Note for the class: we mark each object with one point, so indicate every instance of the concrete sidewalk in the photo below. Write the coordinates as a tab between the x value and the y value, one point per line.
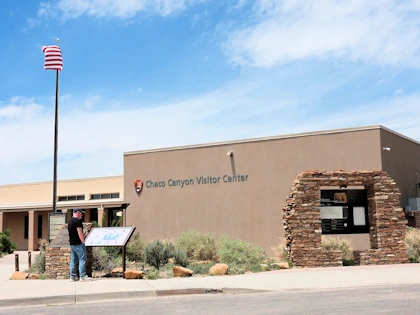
42	292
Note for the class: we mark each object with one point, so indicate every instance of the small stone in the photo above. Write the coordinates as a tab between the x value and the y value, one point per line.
18	275
219	269
133	274
281	265
264	267
181	271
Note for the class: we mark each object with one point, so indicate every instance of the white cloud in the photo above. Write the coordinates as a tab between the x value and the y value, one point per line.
385	32
20	108
71	9
92	102
398	91
91	142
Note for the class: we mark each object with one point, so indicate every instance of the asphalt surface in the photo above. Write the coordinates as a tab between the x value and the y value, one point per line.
396	299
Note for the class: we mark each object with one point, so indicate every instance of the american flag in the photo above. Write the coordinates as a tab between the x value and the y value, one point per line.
53	58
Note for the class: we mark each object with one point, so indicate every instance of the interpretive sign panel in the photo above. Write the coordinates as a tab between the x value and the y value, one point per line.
331	212
56	220
109	236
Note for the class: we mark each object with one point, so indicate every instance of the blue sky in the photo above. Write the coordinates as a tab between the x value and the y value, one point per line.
143	74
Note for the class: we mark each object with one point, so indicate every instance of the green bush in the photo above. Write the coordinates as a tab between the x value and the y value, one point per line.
39	265
238	252
152	275
113	252
7	246
102	261
135	250
412	243
337	243
180	257
198	246
201	269
158	253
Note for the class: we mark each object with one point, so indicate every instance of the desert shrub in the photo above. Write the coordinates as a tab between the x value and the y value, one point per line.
102	261
113	251
39	264
7	245
198	246
42	245
135	250
280	250
201	269
158	253
152	275
412	243
235	251
180	257
337	243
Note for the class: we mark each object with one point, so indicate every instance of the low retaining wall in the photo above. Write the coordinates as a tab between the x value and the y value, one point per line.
58	254
318	258
377	257
57	262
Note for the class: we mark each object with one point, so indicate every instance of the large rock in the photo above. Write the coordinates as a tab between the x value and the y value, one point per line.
219	269
18	275
33	276
133	274
181	271
281	265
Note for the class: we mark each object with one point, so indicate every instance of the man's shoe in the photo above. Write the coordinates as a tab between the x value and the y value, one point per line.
85	278
72	279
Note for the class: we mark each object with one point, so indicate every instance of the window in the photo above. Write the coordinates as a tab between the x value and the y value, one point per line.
105	196
113	218
71	198
40	226
344	211
26	228
94	215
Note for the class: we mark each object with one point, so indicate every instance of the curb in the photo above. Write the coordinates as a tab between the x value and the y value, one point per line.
110	296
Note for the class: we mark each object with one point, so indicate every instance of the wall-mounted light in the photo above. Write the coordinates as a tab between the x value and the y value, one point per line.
230	153
386	148
138	185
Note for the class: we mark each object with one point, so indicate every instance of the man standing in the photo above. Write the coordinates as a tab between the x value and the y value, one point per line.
77	244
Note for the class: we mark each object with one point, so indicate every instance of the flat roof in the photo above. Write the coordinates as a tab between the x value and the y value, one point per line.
279	137
63	181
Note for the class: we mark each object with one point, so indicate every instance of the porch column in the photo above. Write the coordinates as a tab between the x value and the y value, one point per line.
87	215
32	231
2	225
100	216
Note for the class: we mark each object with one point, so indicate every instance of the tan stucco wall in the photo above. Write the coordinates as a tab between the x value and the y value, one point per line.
248	210
42	192
15	222
401	163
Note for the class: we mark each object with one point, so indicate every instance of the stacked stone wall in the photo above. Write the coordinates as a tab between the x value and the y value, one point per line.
57	262
302	218
58	255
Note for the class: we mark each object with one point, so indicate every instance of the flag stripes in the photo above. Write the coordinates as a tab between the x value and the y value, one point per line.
53	58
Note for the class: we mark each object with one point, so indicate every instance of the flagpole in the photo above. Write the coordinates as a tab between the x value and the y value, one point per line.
55	140
55	143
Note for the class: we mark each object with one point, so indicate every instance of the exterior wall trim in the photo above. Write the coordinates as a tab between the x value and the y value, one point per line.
63	181
48	206
298	135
